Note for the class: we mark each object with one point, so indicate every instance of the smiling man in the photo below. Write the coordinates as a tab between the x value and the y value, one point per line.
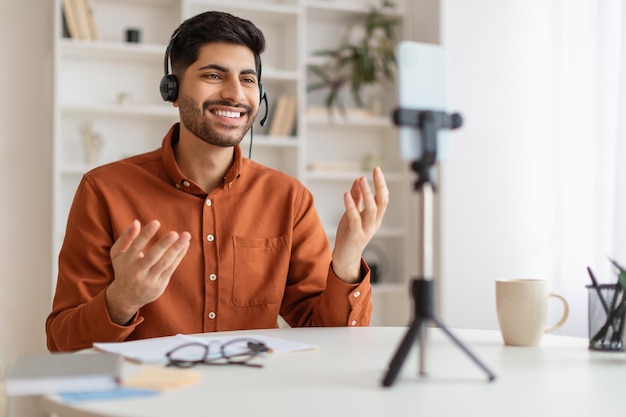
192	237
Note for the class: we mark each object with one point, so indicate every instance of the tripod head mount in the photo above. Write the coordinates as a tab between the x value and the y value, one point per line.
429	123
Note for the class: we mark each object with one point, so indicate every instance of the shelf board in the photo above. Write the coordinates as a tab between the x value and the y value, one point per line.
383	232
391	232
322	119
389	288
279	75
83	49
110	49
352	175
260	141
317	61
316	6
270	8
75	169
326	9
155	110
148	3
272	141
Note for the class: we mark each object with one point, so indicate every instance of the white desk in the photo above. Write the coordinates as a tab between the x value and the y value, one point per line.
343	377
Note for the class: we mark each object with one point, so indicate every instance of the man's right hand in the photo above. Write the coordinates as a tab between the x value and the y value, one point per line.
141	276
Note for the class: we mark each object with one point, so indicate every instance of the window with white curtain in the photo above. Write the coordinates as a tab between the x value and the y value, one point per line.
589	58
535	185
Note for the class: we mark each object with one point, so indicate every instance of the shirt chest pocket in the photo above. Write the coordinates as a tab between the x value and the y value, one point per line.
260	270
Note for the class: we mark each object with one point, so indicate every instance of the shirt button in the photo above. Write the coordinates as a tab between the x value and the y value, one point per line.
186	183
212	277
356	294
177	186
353	323
208	202
210	238
211	315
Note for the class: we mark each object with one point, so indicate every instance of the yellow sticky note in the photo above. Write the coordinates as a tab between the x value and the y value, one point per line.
161	378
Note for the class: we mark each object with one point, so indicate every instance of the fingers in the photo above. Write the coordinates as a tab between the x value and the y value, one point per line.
169	249
143	266
352	211
382	192
146	234
356	192
126	239
374	205
171	262
163	258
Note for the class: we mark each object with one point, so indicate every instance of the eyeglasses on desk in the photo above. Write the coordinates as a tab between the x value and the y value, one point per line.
234	352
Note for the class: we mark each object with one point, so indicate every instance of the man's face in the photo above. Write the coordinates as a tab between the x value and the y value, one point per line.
219	94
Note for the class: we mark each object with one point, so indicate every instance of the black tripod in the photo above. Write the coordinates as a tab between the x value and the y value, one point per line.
429	123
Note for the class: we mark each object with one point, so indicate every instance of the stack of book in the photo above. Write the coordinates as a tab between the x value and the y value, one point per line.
52	373
79	21
284	119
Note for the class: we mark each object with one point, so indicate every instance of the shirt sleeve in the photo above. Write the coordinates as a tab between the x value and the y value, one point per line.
79	314
314	295
358	298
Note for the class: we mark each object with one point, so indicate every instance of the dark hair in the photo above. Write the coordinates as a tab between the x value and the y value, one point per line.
213	26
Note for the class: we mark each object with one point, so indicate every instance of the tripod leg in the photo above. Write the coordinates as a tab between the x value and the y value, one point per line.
403	350
474	358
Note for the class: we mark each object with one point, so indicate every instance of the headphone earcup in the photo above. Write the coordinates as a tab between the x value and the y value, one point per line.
169	87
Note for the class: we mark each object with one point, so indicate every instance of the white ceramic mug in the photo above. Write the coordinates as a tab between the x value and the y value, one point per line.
522	307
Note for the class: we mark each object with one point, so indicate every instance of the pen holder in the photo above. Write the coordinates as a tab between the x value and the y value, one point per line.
607	306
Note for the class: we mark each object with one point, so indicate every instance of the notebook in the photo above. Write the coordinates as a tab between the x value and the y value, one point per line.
51	373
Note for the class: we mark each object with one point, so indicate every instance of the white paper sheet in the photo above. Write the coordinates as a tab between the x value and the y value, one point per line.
154	350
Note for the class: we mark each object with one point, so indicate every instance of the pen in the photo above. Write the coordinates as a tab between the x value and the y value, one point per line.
597	288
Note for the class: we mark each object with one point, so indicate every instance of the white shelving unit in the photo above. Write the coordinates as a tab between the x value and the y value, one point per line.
113	86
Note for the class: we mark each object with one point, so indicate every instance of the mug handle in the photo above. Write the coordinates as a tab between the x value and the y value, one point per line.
561	322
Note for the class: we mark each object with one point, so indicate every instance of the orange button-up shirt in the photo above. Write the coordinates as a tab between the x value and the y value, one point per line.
258	250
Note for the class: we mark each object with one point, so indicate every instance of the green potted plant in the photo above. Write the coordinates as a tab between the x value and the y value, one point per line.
364	57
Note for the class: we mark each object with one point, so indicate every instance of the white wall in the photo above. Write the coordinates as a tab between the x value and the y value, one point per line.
25	167
497	218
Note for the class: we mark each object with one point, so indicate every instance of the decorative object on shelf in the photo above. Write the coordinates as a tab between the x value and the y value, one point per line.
377	261
123	98
133	35
365	57
92	142
607	312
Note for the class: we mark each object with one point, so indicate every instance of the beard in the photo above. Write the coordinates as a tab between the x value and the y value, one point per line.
192	116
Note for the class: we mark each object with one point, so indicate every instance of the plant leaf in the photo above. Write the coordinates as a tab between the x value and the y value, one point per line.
363	61
622	273
316	86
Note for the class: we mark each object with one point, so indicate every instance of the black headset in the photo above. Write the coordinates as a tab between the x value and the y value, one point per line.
169	83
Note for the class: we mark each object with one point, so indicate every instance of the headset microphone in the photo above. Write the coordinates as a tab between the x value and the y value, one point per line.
262	95
264	100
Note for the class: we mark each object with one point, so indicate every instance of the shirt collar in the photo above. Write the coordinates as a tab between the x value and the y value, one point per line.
173	171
